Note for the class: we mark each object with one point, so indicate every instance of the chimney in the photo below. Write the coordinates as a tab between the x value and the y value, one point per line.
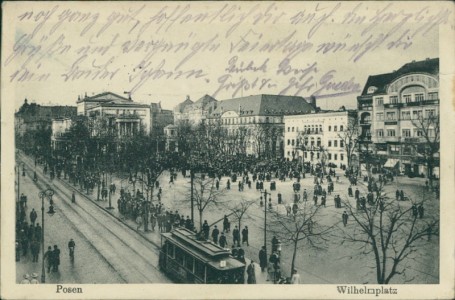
313	101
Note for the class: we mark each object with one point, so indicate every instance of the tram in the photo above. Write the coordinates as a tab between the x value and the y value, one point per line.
186	259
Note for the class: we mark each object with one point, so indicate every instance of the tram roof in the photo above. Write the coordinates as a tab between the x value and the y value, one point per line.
205	250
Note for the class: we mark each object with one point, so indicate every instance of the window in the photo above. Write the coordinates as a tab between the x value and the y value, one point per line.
407	98
317	155
289	153
292	129
306	141
266	119
393	99
380	132
335	143
329	156
170	250
430	112
335	156
292	142
305	154
418	132
341	157
335	128
390	116
433	96
312	142
406	132
289	142
394	149
318	142
380	116
330	128
341	143
416	114
189	262
330	144
341	127
379	101
405	115
418	97
199	268
179	254
390	132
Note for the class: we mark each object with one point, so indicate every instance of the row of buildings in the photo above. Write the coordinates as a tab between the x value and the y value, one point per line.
384	125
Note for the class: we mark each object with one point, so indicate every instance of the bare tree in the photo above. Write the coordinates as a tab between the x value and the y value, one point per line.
240	209
391	231
302	227
428	129
350	136
205	195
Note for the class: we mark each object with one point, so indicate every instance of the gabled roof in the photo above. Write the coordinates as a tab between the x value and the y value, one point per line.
255	105
181	106
34	112
381	81
105	97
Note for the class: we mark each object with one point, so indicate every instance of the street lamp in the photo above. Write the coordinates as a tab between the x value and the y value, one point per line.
265	220
48	193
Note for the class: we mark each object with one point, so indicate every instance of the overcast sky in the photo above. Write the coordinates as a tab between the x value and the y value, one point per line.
67	56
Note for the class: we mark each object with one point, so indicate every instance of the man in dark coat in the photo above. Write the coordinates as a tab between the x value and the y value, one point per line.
206	229
34	247
223	242
56	258
236	236
421	210
245	235
33	216
345	218
215	233
49	257
357	194
263	259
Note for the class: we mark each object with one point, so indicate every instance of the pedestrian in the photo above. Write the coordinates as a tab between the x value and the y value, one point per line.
225	224
138	222
153	221
71	246
206	230
73	197
245	235
236	236
215	233
350	191
228	184
270	271
223	241
295	278
33	216
262	259
251	273
414	211
401	195
315	199
421	211
34	279
49	257
345	218
26	279
357	193
56	258
323	200
397	195
34	247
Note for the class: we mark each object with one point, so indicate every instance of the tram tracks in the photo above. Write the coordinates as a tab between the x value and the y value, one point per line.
130	254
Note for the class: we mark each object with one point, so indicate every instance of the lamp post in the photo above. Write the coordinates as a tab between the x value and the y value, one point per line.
46	193
265	220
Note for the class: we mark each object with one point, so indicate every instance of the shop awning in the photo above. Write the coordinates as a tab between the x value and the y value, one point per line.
391	163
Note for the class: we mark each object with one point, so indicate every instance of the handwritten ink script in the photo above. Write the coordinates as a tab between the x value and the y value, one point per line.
224	49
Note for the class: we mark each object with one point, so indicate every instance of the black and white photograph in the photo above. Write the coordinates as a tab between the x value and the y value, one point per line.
173	149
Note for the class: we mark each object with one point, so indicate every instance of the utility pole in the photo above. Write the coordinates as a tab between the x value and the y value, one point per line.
265	219
192	195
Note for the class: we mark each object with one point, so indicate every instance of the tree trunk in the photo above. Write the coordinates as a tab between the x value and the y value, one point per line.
200	220
296	241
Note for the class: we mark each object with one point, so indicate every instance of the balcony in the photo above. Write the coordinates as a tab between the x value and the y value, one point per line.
365	122
419	103
393	105
390	122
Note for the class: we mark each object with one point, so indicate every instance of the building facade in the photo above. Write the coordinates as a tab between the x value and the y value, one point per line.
254	125
318	137
126	116
396	112
194	112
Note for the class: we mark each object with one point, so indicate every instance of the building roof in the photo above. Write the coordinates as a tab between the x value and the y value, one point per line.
263	105
105	97
381	81
202	102
34	112
181	106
